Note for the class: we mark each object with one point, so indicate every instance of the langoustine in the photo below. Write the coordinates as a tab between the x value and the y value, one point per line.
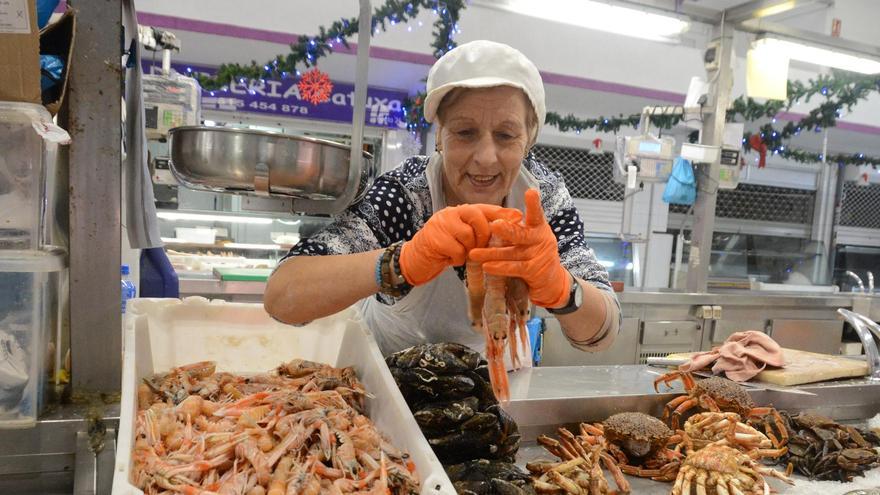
296	430
499	307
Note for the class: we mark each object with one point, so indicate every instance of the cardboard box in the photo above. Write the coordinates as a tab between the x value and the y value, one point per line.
19	51
57	39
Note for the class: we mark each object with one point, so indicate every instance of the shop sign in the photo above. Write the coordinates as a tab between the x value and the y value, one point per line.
282	98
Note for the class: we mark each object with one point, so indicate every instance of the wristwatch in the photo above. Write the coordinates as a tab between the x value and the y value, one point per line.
575	299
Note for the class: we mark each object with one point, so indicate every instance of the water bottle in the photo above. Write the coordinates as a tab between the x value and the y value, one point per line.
129	291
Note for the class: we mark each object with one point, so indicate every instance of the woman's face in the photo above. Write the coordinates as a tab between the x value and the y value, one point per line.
483	138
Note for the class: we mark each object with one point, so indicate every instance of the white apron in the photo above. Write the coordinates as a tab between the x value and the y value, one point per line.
436	311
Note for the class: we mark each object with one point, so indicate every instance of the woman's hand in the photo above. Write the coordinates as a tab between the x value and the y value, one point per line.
446	239
531	253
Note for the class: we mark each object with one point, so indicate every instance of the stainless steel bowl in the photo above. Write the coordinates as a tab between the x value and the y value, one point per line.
242	160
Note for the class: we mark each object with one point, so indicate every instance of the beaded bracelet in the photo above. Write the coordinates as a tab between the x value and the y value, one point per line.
384	266
404	286
379	271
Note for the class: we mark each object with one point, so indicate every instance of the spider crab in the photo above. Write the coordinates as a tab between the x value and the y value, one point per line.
720	428
719	394
639	444
720	469
581	469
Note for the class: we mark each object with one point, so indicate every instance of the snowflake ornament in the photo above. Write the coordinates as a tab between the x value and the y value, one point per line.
315	86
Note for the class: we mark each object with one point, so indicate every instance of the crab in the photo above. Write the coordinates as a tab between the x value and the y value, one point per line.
639	444
581	470
708	428
823	449
721	469
719	394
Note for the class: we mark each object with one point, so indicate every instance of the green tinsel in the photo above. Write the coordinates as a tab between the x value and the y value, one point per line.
307	50
842	91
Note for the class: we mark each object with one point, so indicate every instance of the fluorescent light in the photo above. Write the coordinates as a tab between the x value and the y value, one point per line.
775	9
606	263
175	240
173	215
819	56
602	17
242	245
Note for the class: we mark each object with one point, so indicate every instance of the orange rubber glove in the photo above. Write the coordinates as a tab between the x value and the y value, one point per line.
531	253
446	239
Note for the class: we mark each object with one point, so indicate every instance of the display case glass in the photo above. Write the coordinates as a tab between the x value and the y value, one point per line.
860	260
737	259
615	255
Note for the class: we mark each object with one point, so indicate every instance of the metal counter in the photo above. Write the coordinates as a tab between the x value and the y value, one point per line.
213	288
542	399
65	453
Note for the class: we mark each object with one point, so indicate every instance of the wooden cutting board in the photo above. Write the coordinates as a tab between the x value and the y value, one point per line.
805	367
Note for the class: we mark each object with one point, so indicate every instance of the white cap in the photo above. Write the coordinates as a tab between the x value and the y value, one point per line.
483	64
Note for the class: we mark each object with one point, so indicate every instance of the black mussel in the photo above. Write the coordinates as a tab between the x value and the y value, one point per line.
446	414
460	446
504	487
472	487
481	421
446	357
486	469
432	385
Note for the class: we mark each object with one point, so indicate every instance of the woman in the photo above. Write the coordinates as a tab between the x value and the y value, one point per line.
406	242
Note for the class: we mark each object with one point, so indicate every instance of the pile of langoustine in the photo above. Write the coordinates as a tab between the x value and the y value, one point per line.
297	429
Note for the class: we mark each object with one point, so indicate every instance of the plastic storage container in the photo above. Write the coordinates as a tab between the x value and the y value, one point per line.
242	338
25	158
33	347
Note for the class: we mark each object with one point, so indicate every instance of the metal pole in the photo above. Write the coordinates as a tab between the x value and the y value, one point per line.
359	103
94	122
823	215
707	183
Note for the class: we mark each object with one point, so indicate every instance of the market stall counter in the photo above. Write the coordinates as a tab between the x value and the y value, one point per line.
545	399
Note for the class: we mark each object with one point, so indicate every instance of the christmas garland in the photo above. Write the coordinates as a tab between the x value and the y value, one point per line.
842	91
848	88
307	50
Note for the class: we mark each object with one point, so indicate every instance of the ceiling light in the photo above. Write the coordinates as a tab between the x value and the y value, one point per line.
602	17
819	56
775	9
173	215
242	245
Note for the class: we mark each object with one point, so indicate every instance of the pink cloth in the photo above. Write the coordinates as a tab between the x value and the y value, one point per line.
742	356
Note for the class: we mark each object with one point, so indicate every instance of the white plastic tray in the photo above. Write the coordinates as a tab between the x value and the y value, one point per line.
162	333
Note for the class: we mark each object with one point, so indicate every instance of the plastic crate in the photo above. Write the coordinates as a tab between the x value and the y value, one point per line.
242	338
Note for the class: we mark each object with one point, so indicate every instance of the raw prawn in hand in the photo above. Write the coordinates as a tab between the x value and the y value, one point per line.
498	306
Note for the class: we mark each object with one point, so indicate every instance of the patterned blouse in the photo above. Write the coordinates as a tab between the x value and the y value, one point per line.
398	204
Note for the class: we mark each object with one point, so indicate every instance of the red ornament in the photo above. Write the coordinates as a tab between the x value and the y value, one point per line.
315	87
597	144
758	145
